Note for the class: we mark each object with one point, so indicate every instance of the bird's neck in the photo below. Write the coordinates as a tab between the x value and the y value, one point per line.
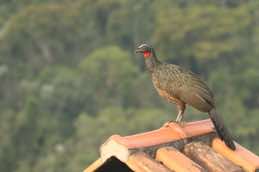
152	62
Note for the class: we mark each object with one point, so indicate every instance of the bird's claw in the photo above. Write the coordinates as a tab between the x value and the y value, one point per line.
180	123
168	123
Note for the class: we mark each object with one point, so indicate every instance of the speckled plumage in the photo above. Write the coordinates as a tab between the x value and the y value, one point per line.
181	86
179	83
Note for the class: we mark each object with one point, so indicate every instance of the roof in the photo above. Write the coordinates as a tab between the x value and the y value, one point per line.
192	147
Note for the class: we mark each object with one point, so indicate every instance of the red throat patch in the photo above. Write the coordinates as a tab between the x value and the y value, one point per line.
147	54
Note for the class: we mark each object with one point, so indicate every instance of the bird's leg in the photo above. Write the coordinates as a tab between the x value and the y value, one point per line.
181	107
179	116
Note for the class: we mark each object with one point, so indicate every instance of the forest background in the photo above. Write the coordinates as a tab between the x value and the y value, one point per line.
70	78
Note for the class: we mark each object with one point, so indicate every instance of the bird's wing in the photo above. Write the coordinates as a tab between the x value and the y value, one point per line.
190	88
195	92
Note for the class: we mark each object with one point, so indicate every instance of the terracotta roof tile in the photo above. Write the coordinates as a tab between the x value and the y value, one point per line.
176	161
142	162
174	147
209	159
165	134
241	156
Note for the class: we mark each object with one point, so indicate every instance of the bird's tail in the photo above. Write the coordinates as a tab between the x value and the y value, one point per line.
222	131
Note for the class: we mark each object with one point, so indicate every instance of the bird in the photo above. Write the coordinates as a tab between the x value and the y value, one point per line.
182	87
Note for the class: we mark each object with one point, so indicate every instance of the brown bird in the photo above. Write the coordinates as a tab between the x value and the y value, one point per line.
181	86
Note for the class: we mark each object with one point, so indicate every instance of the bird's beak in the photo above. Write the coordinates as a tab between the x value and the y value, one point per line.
139	50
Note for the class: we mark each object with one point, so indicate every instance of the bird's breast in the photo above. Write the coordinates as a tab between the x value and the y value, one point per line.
160	86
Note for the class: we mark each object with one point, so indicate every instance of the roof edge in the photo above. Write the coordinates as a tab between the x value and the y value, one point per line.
122	147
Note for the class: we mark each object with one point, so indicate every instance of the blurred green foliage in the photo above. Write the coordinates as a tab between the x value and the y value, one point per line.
70	78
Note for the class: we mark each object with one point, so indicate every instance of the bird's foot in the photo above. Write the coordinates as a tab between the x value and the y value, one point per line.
168	123
181	123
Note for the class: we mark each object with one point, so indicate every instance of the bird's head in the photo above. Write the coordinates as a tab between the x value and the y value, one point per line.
146	50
